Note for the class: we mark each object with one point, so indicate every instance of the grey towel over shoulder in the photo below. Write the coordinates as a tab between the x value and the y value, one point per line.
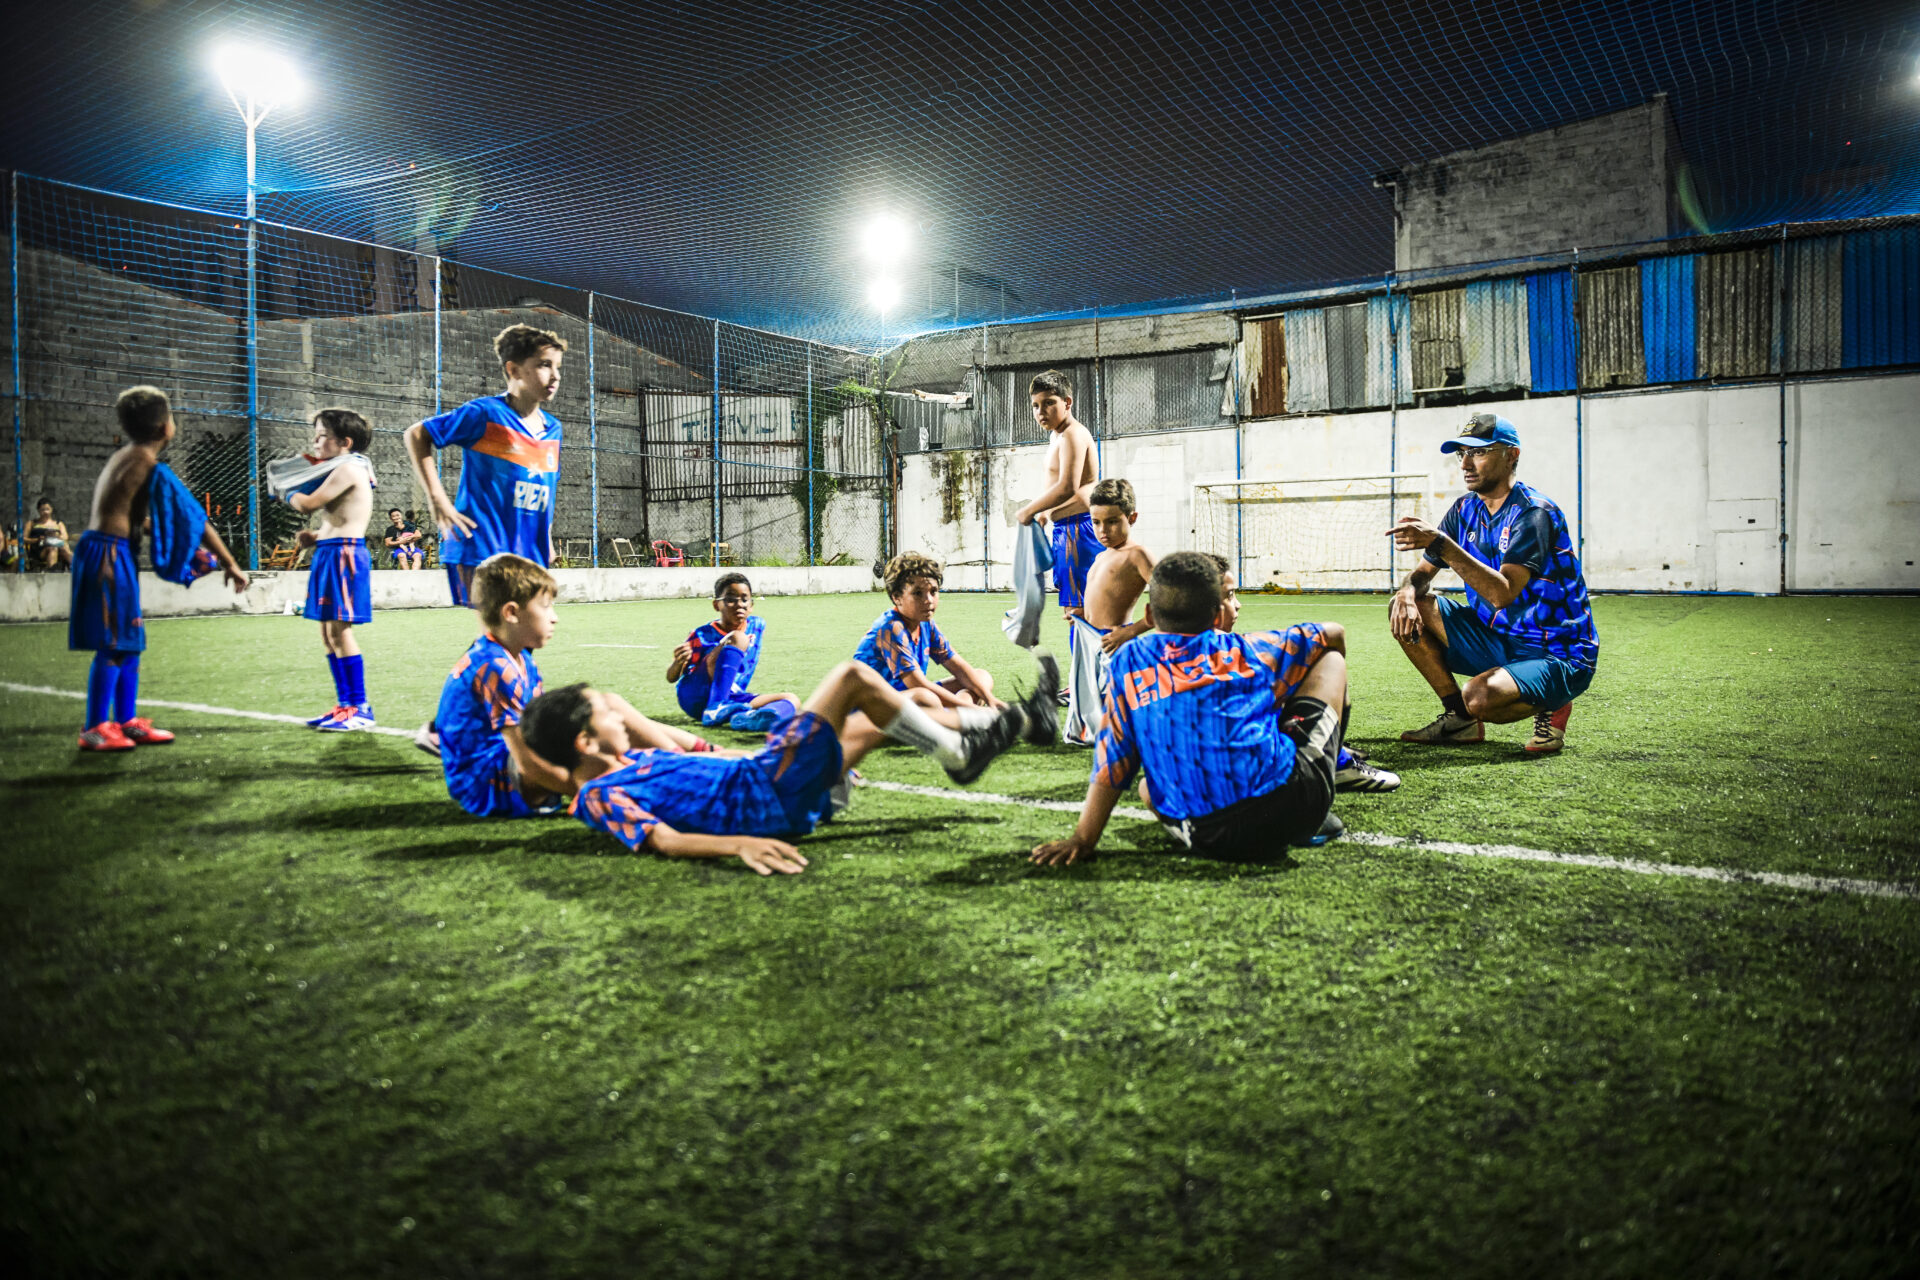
1032	557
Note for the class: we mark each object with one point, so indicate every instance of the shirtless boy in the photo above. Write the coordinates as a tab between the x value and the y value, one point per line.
1115	582
1070	475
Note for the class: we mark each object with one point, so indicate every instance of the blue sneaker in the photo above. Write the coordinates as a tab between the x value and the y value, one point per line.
714	717
1330	830
762	719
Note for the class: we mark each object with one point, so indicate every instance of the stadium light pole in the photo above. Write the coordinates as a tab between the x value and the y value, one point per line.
256	82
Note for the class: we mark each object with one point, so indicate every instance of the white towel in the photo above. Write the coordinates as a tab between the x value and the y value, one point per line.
303	473
1032	557
1086	683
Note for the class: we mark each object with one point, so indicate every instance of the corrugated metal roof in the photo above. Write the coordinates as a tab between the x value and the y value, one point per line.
1667	317
1811	325
1437	361
1266	357
1306	361
1388	317
1734	338
1346	356
1882	301
1610	350
1493	334
1552	335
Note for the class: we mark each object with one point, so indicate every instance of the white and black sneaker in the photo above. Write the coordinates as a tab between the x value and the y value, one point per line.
427	738
1354	773
988	742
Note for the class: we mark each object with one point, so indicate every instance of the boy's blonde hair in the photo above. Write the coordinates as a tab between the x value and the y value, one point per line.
143	412
518	342
508	579
909	565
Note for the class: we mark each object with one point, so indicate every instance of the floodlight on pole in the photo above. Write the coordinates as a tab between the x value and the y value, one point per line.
256	81
884	240
883	295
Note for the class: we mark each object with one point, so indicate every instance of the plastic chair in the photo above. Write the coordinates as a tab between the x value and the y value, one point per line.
666	555
721	554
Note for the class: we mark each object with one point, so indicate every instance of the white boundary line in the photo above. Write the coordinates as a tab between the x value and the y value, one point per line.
1509	852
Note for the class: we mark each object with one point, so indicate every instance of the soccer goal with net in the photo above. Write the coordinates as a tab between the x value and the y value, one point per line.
1322	534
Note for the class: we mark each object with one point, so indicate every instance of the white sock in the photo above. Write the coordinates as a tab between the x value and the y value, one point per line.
920	731
976	717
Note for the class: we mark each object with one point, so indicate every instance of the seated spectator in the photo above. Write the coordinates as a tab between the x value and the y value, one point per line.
403	540
9	550
47	540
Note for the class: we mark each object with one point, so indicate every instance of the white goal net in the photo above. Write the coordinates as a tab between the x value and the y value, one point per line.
1327	533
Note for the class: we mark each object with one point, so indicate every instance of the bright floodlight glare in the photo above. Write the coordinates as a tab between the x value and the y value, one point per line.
257	76
884	240
883	294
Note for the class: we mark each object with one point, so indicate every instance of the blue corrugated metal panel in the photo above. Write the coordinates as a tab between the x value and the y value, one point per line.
1666	317
1388	317
1882	299
1551	337
1306	361
1493	334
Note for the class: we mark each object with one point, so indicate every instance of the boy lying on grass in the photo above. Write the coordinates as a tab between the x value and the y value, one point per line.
749	806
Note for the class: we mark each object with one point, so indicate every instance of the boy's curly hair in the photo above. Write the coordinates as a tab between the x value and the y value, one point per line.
907	566
143	412
508	579
518	342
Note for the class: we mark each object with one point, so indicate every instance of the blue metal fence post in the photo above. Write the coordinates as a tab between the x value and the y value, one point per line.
593	436
714	411
809	455
1235	371
1579	428
1393	424
253	364
980	432
19	392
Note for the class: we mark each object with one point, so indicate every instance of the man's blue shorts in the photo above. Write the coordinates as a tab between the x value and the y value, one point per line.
459	576
340	582
1074	547
802	761
104	612
1546	683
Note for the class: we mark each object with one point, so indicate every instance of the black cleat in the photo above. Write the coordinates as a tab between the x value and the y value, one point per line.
1041	707
1330	830
986	743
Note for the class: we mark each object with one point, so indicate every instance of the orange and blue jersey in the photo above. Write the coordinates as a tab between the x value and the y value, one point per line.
509	477
1553	614
485	694
695	688
1202	713
781	790
340	582
894	648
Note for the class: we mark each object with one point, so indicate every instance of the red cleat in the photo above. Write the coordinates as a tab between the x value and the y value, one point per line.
105	736
141	733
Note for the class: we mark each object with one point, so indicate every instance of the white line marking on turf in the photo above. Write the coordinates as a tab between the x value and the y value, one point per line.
1514	853
616	646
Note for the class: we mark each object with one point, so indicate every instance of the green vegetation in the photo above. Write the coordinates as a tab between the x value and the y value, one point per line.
274	1007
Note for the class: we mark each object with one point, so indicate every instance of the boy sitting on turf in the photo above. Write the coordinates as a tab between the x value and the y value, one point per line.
134	487
711	670
1238	734
339	583
902	642
489	771
746	807
1116	579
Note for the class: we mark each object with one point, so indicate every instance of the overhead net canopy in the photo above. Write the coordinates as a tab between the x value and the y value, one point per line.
1046	159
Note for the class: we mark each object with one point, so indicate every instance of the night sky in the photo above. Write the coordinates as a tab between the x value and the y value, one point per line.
1052	157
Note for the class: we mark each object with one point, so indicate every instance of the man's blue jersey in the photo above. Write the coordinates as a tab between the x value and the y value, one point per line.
696	682
486	692
781	790
892	650
508	480
1553	614
1202	713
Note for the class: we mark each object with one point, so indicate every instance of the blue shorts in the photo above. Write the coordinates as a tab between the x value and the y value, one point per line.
1074	547
1546	683
397	554
105	611
489	787
340	582
459	576
802	762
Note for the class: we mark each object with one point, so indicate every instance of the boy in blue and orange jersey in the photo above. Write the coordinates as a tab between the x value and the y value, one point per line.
509	468
1239	734
340	579
489	771
904	640
135	487
749	806
712	668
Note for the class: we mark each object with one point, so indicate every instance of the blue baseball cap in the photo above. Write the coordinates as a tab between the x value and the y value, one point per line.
1483	429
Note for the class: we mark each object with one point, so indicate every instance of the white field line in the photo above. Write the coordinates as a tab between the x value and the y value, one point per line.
616	646
1513	853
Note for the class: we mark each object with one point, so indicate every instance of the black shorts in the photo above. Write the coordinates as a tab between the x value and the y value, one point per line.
1262	828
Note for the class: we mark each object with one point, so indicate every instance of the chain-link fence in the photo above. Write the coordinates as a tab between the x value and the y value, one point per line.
714	442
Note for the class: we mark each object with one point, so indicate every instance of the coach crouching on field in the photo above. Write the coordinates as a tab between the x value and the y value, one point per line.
1525	633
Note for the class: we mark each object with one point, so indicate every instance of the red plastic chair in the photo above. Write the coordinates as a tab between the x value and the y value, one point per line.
666	555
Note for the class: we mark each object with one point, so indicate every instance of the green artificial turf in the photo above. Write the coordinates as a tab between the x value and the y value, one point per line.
274	1006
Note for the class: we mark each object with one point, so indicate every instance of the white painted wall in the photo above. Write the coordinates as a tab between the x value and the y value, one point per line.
1679	490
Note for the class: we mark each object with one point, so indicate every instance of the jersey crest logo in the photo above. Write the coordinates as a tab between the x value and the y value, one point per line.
1506	539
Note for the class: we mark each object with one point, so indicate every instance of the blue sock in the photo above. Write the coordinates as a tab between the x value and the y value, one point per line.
126	691
727	666
355	670
339	678
782	710
102	677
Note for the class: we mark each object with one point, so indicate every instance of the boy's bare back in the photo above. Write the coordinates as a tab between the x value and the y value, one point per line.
120	494
1117	580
